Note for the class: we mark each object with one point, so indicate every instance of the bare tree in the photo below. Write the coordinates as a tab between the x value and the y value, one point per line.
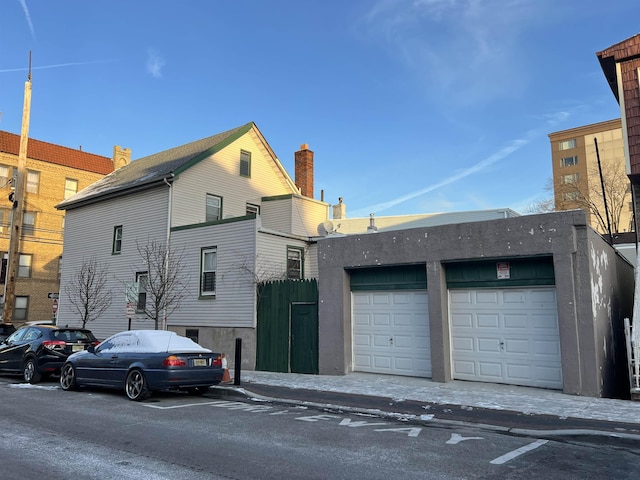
87	291
591	198
164	286
545	205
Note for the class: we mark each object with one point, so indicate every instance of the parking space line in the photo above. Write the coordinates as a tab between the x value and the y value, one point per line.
517	452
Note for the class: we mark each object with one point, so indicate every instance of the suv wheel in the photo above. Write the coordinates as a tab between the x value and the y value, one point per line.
30	371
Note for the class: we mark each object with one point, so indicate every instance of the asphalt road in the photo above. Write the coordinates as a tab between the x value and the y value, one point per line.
98	434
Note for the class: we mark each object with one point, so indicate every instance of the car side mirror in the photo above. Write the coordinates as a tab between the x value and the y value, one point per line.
91	349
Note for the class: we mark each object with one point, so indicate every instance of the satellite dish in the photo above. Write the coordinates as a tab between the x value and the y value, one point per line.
326	228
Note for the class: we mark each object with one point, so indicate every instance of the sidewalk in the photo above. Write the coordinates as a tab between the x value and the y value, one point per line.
507	407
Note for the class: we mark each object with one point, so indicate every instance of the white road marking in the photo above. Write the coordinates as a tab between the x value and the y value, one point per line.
411	432
457	438
347	422
517	452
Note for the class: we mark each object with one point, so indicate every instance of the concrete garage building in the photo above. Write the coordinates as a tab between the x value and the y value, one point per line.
534	300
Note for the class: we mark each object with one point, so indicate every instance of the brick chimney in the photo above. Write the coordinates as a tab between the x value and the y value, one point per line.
304	170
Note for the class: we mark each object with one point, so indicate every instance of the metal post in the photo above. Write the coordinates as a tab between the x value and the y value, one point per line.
238	360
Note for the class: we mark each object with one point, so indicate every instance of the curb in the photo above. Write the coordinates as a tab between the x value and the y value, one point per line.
431	419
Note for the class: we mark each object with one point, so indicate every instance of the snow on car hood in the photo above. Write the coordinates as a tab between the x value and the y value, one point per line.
148	341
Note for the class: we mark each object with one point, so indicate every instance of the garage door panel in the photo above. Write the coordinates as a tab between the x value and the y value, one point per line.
397	332
515	329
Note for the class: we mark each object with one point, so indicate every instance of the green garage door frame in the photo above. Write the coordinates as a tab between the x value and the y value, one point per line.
399	277
523	272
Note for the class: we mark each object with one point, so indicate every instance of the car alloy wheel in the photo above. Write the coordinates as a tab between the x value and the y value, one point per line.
30	371
68	377
136	386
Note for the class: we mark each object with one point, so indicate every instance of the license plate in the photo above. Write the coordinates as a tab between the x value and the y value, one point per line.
77	348
199	362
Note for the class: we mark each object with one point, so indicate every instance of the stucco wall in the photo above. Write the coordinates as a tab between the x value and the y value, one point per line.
562	235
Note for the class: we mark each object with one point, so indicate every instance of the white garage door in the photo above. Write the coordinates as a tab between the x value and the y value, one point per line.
391	332
506	336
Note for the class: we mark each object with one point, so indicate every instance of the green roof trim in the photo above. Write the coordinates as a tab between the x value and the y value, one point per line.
215	222
286	196
215	148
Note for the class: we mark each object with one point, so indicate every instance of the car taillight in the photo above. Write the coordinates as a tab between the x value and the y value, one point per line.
217	362
95	343
173	361
52	344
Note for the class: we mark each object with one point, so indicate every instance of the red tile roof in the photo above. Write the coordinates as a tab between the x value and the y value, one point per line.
48	152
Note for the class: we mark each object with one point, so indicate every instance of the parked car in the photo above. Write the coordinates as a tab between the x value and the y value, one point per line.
37	351
143	361
6	329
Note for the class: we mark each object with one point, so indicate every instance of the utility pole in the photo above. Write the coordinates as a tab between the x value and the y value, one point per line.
17	197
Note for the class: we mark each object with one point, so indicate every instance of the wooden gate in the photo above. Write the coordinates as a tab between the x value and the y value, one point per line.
287	333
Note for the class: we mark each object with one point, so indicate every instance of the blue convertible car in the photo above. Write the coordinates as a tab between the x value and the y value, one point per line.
141	361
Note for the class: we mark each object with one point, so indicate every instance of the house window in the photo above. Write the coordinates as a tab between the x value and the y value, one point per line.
294	262
571	178
192	333
24	265
117	240
29	223
570	196
20	308
33	181
208	265
568	161
142	278
214	208
245	163
70	187
5	175
59	267
253	209
3	269
567	144
5	219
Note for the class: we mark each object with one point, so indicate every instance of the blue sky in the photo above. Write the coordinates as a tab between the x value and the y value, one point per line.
411	106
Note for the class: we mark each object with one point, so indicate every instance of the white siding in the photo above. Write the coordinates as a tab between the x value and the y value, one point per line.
296	215
89	231
219	175
271	260
235	300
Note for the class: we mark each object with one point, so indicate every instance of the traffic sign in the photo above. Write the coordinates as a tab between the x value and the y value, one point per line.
55	305
54	295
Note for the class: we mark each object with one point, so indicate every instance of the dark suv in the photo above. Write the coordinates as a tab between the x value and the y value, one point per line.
6	329
37	351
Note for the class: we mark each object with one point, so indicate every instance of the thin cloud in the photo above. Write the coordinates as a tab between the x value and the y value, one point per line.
468	48
154	64
57	65
504	152
27	15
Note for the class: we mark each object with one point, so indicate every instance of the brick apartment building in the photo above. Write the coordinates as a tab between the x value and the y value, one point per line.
576	174
53	173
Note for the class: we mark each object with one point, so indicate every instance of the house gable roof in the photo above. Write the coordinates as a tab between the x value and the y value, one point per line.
154	169
57	154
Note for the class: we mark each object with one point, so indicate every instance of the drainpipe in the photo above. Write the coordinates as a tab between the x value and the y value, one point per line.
168	243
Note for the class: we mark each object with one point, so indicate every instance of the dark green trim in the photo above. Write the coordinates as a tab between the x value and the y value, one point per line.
215	149
248	164
523	272
217	222
399	277
277	197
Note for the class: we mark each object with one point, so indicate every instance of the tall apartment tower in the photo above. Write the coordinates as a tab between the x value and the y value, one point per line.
576	174
53	173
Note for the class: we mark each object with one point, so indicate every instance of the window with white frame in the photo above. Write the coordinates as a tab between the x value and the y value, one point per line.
70	187
142	278
253	209
29	223
213	208
24	265
208	266
569	161
33	181
59	267
570	178
117	240
20	308
5	175
567	144
245	163
294	262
